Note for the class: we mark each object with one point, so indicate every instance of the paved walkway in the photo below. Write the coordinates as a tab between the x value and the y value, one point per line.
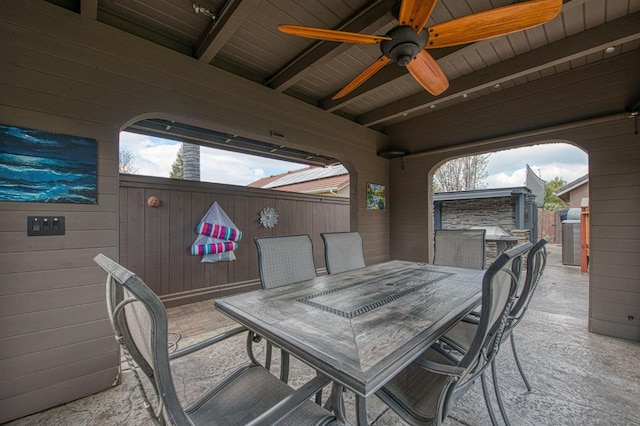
578	378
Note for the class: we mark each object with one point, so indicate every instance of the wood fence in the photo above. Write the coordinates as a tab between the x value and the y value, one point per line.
155	242
550	226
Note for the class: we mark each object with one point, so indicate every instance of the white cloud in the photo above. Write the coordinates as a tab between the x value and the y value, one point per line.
239	169
154	157
507	168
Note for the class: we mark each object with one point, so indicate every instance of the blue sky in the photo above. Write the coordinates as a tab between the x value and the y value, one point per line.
154	156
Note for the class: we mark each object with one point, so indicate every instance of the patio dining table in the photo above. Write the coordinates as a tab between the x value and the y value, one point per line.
360	328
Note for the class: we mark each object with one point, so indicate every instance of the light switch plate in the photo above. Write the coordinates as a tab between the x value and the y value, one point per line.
45	225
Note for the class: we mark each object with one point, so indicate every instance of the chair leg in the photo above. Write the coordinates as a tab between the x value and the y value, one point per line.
515	356
267	360
335	403
485	392
284	365
496	389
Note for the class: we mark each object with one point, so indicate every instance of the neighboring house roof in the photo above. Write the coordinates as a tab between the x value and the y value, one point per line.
572	185
310	180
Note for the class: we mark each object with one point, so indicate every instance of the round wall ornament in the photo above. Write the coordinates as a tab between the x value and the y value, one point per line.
268	217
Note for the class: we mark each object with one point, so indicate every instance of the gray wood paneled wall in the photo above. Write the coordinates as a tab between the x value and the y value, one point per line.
56	343
155	242
62	72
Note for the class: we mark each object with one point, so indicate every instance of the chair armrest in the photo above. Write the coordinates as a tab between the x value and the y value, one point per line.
206	343
472	318
286	406
434	367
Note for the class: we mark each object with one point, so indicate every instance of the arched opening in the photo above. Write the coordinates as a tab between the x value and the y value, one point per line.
239	179
466	189
546	179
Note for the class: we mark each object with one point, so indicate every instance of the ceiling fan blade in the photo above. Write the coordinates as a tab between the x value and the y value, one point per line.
493	23
331	35
416	13
428	73
364	76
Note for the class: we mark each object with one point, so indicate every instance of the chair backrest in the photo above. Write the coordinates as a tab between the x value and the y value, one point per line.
139	322
498	292
463	248
342	251
536	262
285	260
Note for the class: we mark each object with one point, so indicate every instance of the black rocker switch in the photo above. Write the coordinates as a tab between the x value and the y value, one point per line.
45	225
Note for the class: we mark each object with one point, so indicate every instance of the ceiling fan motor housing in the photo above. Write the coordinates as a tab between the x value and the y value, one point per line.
404	45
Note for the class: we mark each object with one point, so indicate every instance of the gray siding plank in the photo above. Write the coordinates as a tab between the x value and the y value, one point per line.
17	304
35	281
15	325
61	392
61	355
43	379
40	341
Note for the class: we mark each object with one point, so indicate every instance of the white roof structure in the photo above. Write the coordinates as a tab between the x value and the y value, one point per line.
308	175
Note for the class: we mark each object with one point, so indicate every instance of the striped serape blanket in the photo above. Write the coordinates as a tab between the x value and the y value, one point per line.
214	248
220	232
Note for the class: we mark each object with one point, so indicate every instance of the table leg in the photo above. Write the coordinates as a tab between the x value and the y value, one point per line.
361	411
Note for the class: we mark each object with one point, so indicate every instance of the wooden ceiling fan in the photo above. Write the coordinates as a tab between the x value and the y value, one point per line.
408	42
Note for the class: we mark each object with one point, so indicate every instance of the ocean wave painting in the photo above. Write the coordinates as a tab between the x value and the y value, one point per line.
47	167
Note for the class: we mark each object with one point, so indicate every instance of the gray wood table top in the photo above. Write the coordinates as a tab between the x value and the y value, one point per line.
361	327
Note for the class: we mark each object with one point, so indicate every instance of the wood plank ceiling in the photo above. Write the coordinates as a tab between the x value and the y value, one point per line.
241	37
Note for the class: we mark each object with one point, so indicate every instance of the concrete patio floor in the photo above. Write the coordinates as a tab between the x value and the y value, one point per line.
578	378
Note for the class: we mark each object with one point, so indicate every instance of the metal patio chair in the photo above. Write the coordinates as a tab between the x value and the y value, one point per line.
463	248
249	395
342	251
284	260
460	336
424	391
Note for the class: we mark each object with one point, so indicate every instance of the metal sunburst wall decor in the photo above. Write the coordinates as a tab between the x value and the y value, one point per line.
268	217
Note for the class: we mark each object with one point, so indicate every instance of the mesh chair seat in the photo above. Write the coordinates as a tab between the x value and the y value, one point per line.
416	390
247	394
343	251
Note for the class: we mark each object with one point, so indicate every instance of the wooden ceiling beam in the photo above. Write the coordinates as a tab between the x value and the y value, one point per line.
366	21
89	9
227	21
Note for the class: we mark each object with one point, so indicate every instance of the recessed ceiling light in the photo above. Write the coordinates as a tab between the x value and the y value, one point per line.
497	86
610	49
464	95
433	106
